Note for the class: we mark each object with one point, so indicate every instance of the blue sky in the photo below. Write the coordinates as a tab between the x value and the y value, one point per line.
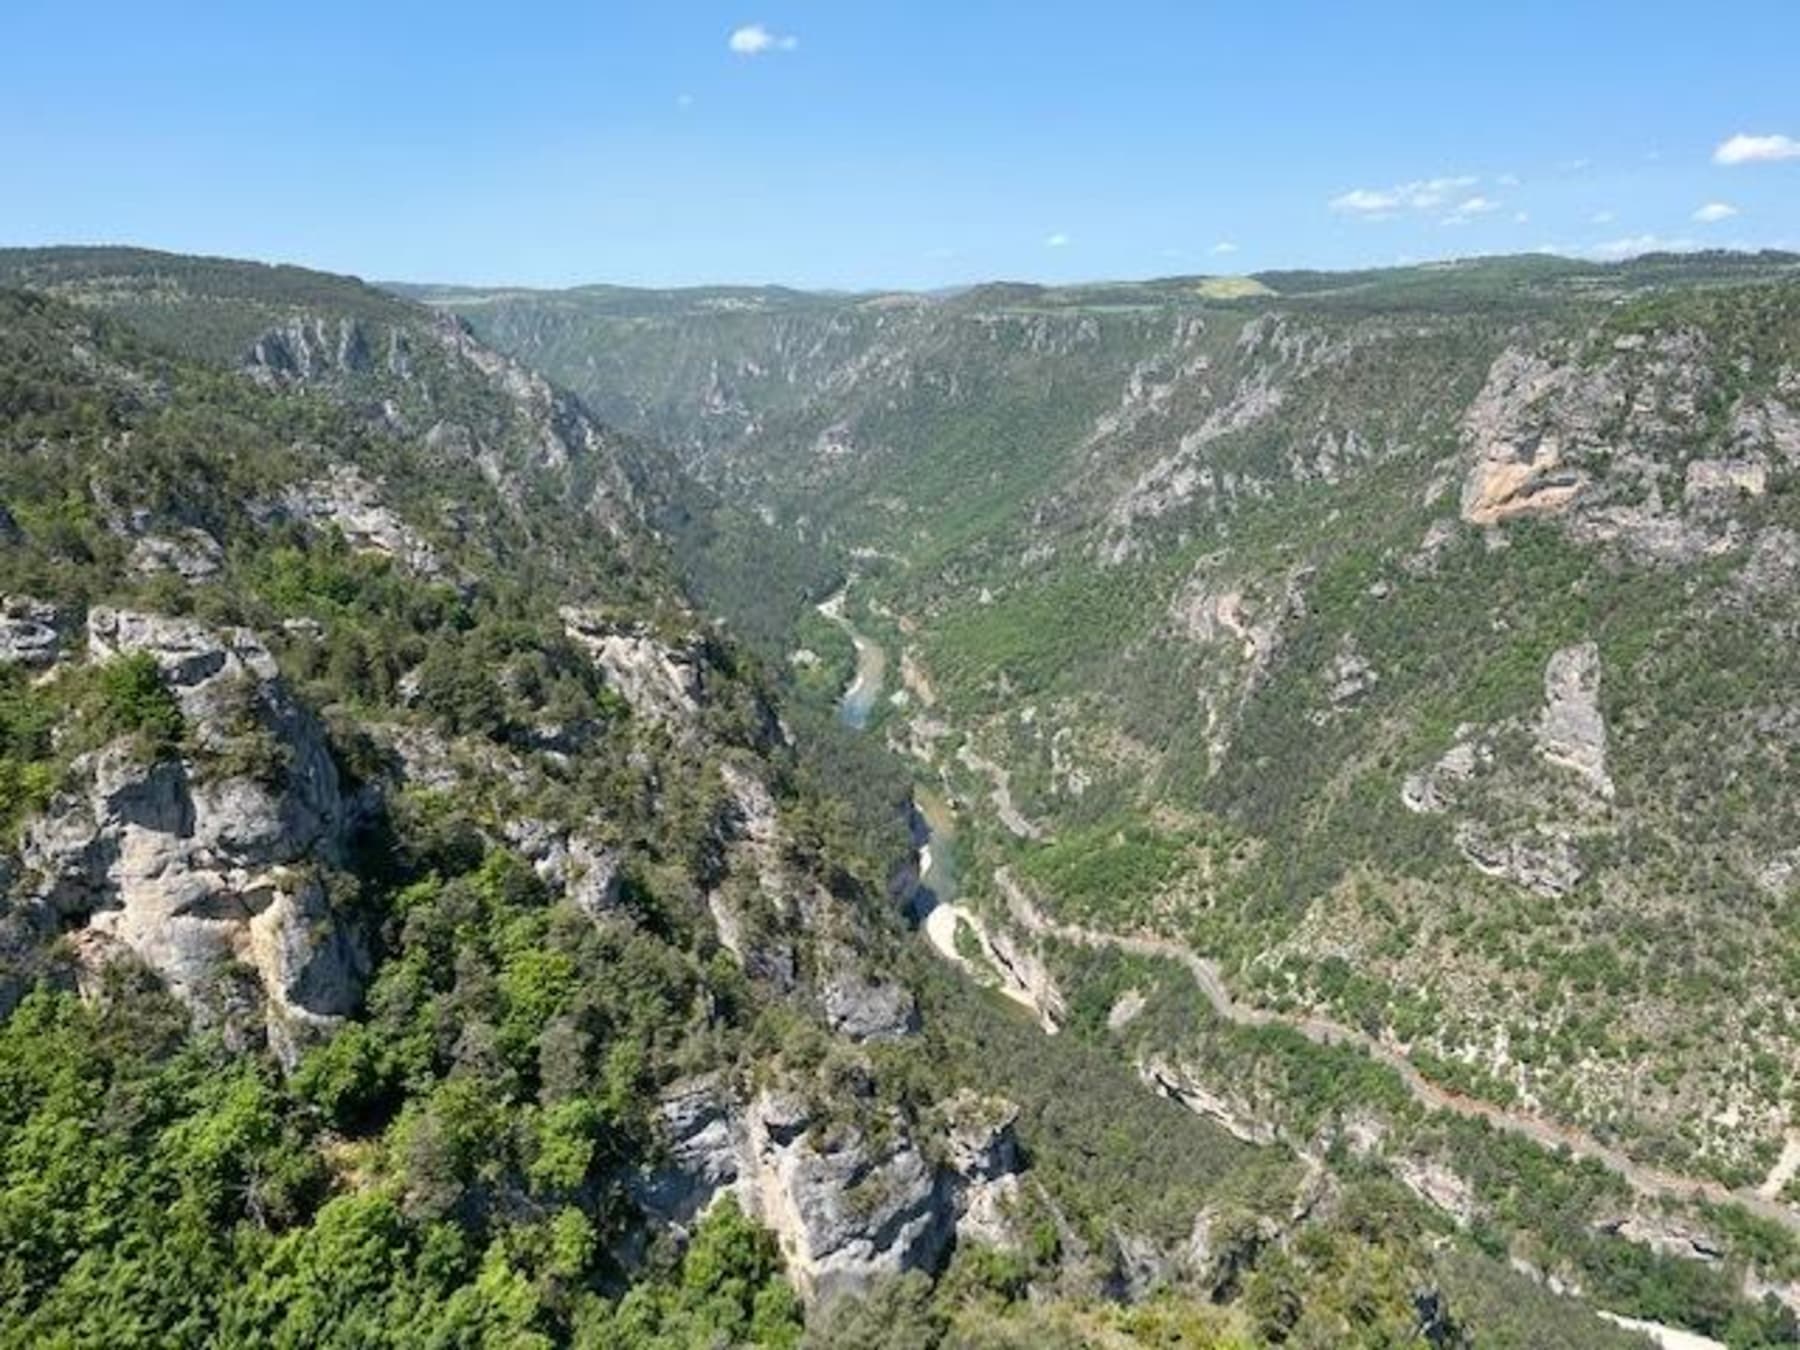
857	143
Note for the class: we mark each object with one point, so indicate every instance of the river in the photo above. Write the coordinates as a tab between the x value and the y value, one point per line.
858	701
933	824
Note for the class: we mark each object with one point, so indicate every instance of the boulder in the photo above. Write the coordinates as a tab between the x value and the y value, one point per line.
31	631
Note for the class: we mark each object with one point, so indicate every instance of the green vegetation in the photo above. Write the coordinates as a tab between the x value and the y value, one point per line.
1096	870
135	701
1135	534
1193	621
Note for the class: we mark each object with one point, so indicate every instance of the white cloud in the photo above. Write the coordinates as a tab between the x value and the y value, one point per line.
1508	180
1468	208
1602	218
1713	212
1058	240
753	40
1425	194
1365	201
684	100
1744	149
1521	217
1224	246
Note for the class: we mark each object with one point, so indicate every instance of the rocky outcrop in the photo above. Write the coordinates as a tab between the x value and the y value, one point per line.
1350	676
661	683
1545	863
1602	437
750	889
1770	424
1435	789
189	553
1423	561
1723	481
704	1151
1501	487
349	502
1125	1010
1665	1236
553	436
848	1203
1024	976
1181	473
1439	1186
309	347
1773	564
861	1007
1181	1084
981	1152
1517	429
587	873
845	1206
31	631
1571	731
200	872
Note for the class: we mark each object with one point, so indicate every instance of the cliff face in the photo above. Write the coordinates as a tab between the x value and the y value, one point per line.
196	868
849	1204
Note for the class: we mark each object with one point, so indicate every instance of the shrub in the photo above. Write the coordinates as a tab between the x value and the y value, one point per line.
134	700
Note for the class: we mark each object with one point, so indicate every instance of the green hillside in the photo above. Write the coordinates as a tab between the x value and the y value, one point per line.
1410	643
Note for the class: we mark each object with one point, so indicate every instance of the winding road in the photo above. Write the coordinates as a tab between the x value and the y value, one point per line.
1646	1180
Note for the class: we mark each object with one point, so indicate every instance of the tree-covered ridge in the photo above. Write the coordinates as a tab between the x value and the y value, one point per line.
215	307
